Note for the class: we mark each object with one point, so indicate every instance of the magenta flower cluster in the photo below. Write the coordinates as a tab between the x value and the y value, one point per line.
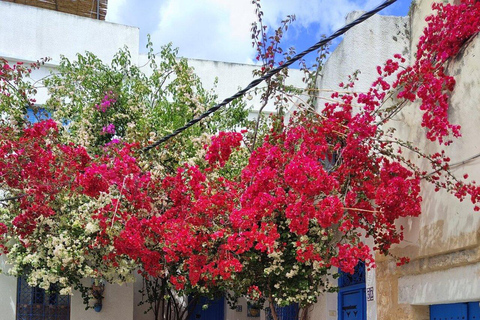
107	101
109	129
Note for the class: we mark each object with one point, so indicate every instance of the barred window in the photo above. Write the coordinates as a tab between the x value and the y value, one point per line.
34	303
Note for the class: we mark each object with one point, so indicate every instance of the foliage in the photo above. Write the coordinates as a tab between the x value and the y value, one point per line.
99	104
82	173
16	93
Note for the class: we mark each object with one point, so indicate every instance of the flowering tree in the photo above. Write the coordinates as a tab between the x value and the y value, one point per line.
77	177
317	187
311	193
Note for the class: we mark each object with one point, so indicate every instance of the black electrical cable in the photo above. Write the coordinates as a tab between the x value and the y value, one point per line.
271	73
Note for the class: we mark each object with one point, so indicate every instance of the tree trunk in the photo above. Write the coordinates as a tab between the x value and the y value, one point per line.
272	308
304	313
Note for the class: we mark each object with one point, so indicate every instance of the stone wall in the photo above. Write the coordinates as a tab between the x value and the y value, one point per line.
443	242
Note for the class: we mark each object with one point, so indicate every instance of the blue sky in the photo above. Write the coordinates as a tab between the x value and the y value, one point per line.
220	29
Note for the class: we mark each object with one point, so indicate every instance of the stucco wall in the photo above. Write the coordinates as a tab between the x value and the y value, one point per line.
231	77
117	304
363	48
139	311
446	225
241	315
8	293
451	285
325	308
29	33
443	242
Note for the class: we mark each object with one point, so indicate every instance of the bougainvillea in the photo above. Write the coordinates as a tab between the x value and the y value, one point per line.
52	237
318	186
75	180
447	31
312	192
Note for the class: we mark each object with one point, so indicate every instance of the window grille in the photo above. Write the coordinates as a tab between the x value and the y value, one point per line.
34	303
289	312
358	277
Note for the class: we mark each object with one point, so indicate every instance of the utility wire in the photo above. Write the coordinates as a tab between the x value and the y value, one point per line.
271	73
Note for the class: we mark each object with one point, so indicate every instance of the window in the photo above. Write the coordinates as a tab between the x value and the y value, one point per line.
34	303
289	312
37	115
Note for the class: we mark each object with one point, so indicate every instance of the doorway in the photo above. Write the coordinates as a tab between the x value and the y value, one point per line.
352	302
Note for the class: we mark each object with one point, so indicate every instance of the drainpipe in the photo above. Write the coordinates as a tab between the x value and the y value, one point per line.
98	9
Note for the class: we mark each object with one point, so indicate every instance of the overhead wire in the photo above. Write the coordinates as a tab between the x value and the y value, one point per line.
271	73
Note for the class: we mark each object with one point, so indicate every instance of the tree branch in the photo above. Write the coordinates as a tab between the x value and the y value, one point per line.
12	198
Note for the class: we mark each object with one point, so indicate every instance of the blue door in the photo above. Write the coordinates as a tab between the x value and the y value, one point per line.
455	311
215	310
474	310
352	302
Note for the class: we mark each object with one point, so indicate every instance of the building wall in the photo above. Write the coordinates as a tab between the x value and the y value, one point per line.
364	47
231	77
443	242
325	308
116	305
231	314
29	33
8	293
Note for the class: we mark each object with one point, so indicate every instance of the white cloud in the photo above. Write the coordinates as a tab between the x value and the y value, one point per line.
114	10
207	29
220	29
324	12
